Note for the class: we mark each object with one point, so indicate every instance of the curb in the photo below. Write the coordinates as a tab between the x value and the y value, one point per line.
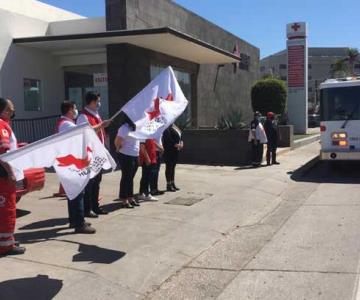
305	141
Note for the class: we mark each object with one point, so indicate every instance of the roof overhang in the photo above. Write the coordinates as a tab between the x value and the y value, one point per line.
164	40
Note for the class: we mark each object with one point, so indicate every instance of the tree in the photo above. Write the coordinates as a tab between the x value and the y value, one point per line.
345	66
269	95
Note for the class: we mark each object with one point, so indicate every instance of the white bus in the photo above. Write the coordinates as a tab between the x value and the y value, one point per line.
340	119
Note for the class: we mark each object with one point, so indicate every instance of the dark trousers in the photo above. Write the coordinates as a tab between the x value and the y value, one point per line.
271	153
155	178
170	171
257	152
129	166
148	174
76	211
91	196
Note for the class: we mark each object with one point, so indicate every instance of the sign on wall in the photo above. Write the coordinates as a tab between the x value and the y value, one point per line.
100	79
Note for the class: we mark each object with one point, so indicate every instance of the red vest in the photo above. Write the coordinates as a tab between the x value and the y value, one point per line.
93	121
150	147
5	134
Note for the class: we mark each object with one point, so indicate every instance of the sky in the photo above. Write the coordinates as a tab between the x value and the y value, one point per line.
262	23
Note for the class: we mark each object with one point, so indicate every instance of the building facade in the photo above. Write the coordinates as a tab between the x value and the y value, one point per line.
319	66
48	55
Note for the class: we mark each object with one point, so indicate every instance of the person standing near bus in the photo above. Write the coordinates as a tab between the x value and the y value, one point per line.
257	137
8	142
272	137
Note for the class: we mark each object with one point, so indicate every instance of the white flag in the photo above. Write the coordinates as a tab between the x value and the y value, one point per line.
157	106
76	155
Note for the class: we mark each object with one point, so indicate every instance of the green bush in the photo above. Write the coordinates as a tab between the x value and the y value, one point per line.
233	120
269	95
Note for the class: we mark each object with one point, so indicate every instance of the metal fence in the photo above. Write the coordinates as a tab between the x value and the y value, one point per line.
31	130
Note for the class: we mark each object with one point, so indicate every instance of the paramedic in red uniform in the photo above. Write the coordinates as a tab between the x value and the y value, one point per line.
8	142
90	115
69	114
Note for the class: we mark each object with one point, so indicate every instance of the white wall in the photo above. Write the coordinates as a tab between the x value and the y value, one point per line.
17	63
89	25
38	10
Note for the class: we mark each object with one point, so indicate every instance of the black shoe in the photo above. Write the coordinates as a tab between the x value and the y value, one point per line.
17	250
175	187
134	203
276	163
100	211
157	193
85	229
91	214
127	205
85	223
268	164
170	188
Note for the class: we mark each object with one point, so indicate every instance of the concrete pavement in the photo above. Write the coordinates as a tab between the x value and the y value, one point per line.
261	233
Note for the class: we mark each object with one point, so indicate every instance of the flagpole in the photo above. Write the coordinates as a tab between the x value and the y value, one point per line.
115	115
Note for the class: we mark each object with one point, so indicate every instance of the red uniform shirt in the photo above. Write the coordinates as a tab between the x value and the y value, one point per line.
93	120
150	147
7	137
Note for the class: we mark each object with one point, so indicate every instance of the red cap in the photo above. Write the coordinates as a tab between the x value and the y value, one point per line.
270	114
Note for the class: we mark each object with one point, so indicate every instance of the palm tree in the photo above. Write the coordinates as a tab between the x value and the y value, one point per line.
352	56
339	69
345	66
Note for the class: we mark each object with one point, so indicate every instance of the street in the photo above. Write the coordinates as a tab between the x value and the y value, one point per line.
279	232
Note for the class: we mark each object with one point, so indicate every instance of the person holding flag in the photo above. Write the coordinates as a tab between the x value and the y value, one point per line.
90	115
69	113
8	142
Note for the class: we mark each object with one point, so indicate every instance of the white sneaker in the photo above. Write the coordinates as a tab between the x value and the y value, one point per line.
141	197
151	198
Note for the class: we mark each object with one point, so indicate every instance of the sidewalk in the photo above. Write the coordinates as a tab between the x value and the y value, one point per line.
142	252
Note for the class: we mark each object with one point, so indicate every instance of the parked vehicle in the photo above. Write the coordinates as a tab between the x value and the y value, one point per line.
340	119
313	120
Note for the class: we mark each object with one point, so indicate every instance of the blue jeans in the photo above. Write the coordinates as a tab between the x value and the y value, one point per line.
76	211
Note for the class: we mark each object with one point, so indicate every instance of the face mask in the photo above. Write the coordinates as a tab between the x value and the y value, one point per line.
12	116
76	113
98	105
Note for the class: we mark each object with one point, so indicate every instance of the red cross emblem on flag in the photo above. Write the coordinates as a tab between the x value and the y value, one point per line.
156	112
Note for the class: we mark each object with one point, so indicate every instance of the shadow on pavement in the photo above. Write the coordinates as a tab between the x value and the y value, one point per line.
22	213
39	287
95	254
328	172
46	224
40	235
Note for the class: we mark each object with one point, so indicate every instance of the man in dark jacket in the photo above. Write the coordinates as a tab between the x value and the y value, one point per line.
272	137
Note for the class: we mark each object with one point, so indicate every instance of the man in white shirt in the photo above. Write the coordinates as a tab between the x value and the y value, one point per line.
69	114
257	137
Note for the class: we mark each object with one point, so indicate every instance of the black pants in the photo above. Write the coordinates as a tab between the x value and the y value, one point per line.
129	166
170	171
257	152
155	179
76	211
271	153
148	174
91	196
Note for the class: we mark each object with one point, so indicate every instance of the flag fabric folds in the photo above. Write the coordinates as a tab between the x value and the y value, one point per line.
77	155
157	106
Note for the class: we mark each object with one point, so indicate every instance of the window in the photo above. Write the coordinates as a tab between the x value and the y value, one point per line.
309	77
262	69
283	78
32	95
282	66
245	62
310	89
309	66
357	66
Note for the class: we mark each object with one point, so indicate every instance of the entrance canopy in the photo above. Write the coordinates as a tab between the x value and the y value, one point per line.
164	40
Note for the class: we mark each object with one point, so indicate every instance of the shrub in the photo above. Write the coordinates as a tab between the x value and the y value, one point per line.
233	120
269	95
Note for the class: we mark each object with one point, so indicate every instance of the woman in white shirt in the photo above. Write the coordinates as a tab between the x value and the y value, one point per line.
128	152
